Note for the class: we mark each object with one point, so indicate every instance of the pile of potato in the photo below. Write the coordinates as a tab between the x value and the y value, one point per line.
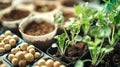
22	55
48	63
7	41
2	64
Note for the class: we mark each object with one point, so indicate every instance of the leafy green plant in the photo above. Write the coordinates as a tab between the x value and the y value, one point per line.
106	29
64	40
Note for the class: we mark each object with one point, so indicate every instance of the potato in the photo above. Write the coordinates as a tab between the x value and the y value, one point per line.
2	44
29	57
49	63
41	62
23	46
7	33
15	61
15	37
37	54
2	49
20	55
3	65
29	47
6	40
32	51
12	42
22	63
62	66
7	47
11	56
56	64
15	50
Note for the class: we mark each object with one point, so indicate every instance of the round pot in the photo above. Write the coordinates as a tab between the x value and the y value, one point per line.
36	34
46	7
24	3
13	16
4	5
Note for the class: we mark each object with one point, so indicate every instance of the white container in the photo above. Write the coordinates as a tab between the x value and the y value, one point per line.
38	19
14	23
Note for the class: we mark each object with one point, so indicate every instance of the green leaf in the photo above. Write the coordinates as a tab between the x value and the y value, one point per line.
59	18
109	49
54	45
78	10
78	38
86	38
118	32
79	63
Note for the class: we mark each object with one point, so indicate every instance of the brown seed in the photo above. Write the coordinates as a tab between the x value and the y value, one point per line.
29	57
20	55
15	61
7	47
11	56
12	42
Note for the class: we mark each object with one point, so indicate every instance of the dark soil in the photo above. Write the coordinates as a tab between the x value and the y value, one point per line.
37	29
73	53
68	15
45	8
69	3
4	5
15	15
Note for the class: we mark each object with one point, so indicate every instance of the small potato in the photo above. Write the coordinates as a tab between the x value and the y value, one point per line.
29	47
32	51
2	49
11	56
6	40
8	33
3	65
22	63
41	62
15	37
56	64
7	47
15	50
15	61
20	55
37	54
2	44
62	66
12	42
29	57
49	63
23	46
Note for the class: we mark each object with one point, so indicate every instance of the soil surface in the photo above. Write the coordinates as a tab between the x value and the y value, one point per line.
44	8
68	15
37	29
15	15
4	5
69	3
73	53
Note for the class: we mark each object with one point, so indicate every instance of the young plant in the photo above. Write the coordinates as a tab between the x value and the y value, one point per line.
64	40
